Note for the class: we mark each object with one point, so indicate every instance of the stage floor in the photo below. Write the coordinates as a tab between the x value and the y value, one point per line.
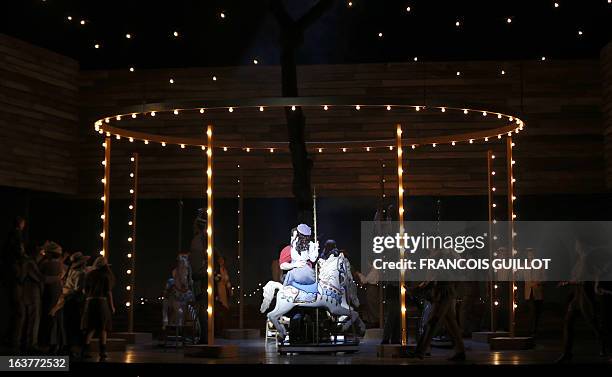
259	352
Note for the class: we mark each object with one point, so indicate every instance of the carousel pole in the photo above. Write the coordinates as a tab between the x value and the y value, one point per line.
511	217
106	197
209	232
400	209
132	240
240	248
490	191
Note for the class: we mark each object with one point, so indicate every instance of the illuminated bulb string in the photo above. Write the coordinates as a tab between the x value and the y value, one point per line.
400	200
131	255
209	232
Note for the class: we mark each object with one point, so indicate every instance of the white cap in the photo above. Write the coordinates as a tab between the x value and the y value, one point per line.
304	229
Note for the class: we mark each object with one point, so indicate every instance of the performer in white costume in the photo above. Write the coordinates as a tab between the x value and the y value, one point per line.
304	254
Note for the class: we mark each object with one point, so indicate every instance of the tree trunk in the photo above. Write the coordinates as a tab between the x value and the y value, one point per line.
292	38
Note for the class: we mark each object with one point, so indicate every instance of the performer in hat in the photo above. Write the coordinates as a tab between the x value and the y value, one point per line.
51	334
71	300
99	306
304	253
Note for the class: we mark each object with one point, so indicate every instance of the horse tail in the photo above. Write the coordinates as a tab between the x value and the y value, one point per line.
269	291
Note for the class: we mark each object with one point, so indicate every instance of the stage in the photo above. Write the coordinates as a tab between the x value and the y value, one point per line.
257	352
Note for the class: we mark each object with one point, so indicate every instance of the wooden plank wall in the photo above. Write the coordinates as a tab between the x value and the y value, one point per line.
562	150
606	73
38	118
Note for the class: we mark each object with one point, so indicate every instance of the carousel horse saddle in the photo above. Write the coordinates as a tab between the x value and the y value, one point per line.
308	288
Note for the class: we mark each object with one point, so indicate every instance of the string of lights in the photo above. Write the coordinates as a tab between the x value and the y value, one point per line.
105	196
511	124
209	234
510	162
240	245
131	255
400	209
493	301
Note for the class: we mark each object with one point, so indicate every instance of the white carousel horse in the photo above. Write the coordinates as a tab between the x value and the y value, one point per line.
334	291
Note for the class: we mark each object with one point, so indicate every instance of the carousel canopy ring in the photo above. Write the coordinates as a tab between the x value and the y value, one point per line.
109	125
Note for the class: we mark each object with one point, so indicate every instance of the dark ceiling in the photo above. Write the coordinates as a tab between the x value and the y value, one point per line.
345	34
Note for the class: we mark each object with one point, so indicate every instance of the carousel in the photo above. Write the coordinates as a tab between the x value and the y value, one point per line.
311	315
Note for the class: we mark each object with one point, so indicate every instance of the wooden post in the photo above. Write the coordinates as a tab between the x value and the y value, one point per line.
400	209
132	240
106	197
511	216
210	266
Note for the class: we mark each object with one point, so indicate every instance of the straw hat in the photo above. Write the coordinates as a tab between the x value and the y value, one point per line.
53	248
78	259
99	263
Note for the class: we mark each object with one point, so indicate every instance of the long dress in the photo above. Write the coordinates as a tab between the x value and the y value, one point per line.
73	307
51	327
97	314
223	286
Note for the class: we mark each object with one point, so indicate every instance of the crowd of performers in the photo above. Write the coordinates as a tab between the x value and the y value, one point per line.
58	301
